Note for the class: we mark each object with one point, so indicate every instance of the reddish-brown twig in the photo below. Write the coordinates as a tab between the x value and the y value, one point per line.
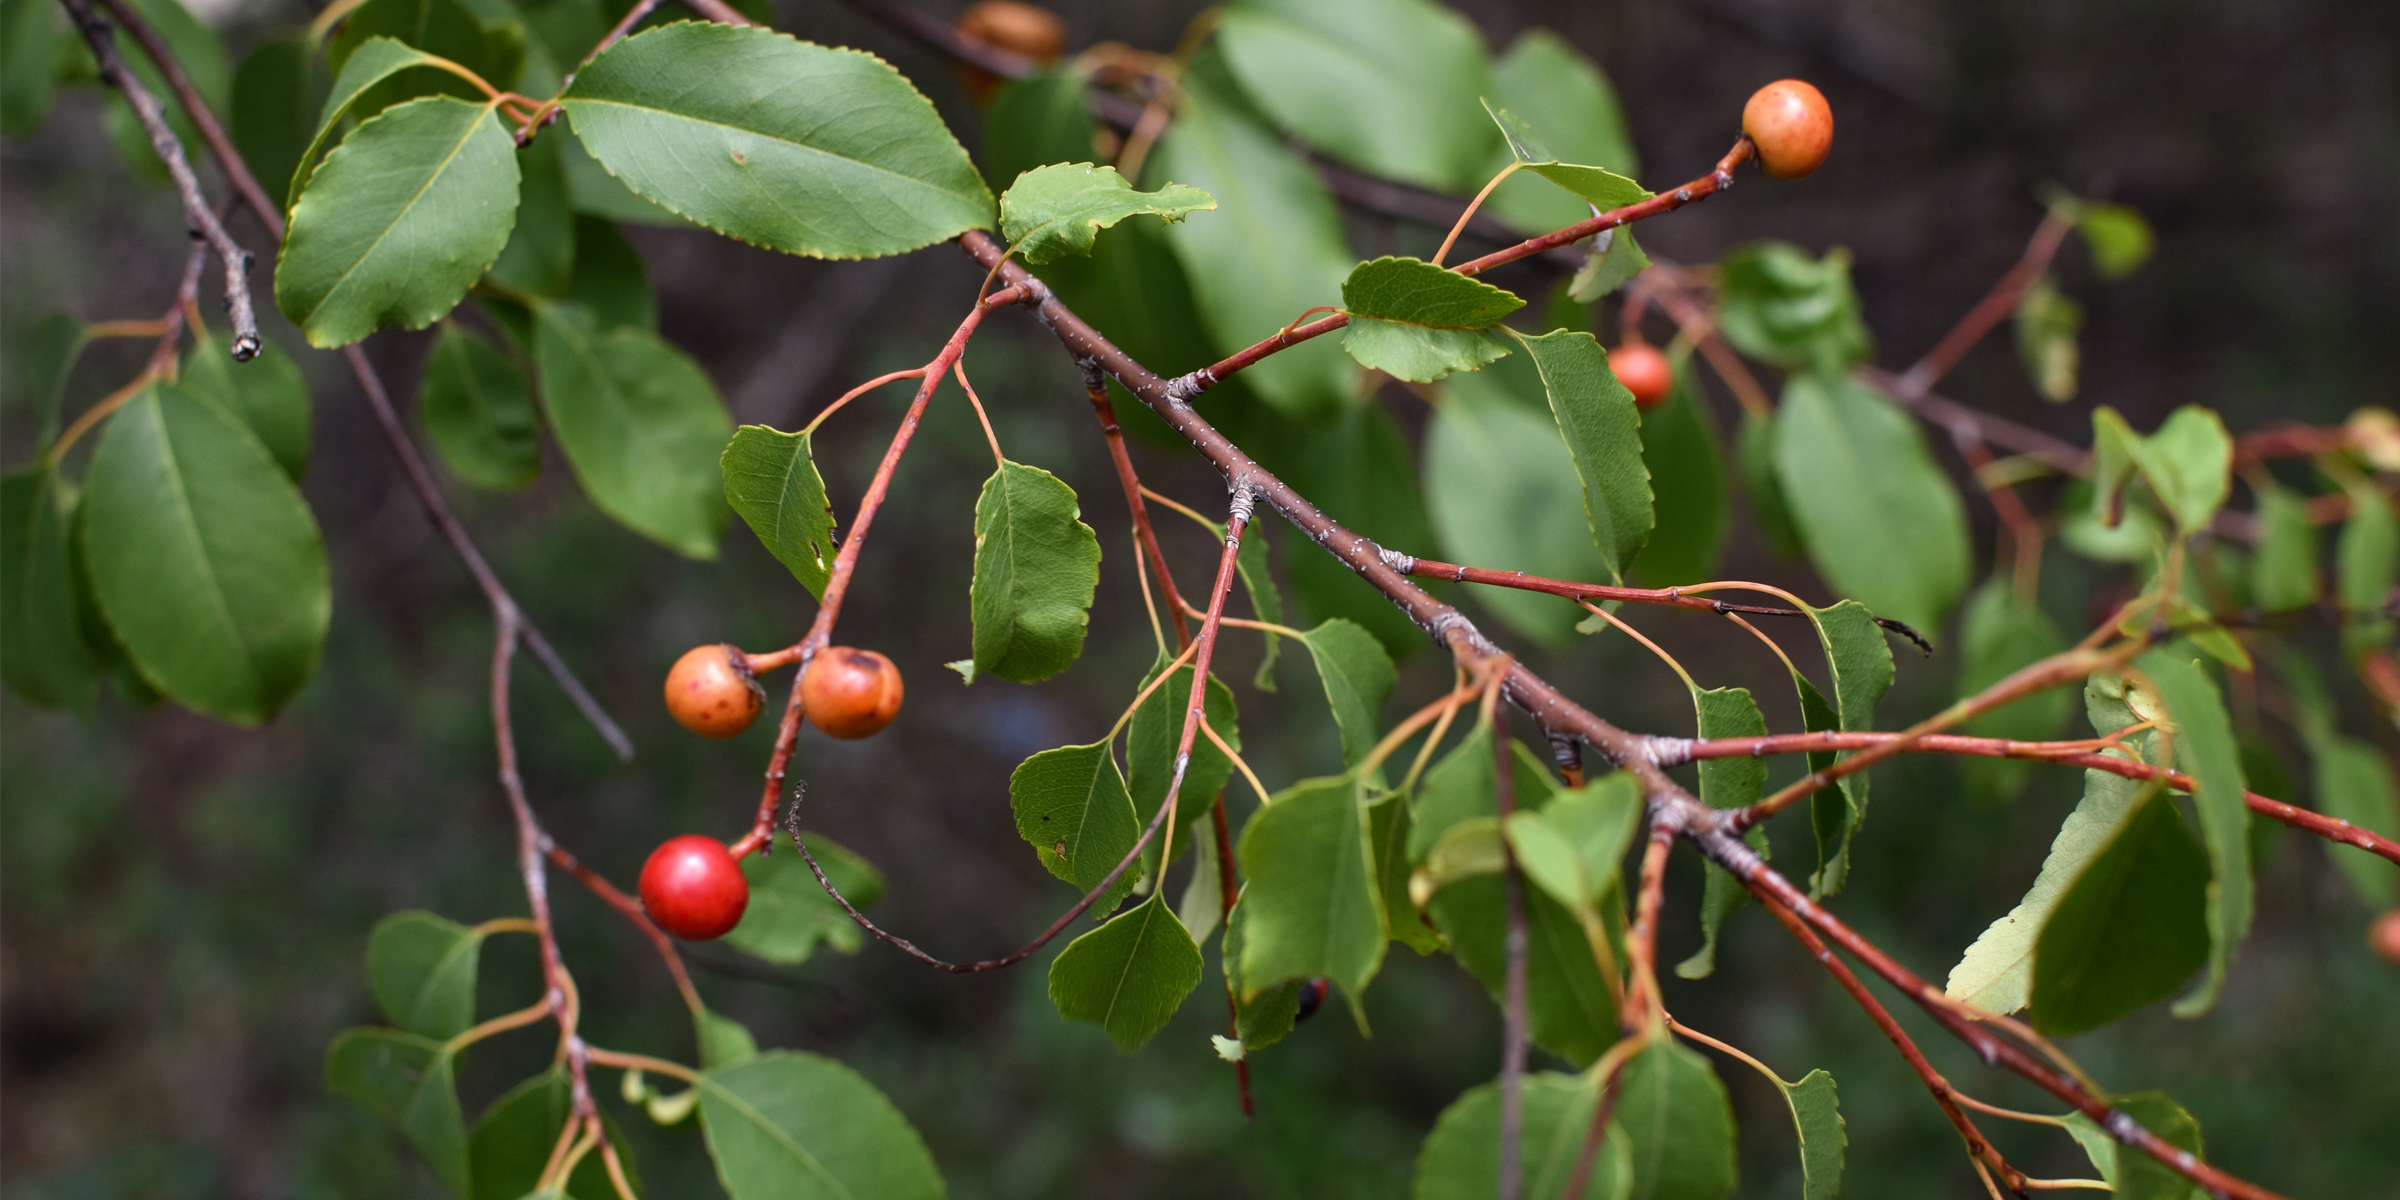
837	584
1989	311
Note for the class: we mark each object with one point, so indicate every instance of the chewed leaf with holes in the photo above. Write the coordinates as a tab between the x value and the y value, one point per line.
1058	210
781	143
771	480
1071	805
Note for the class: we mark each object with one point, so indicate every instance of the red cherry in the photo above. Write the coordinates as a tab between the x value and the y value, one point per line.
1644	372
849	692
711	691
2383	937
1791	126
693	888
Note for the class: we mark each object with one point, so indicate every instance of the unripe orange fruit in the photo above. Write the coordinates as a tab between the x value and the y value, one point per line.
712	693
2383	937
1644	372
1024	29
849	692
693	889
1791	126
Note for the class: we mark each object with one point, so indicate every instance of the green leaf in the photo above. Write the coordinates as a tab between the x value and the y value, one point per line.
2136	1175
267	395
2003	633
1128	976
43	652
477	407
2354	784
2205	748
1679	1123
277	95
640	423
1416	321
1687	482
1134	291
724	1042
1315	898
1573	846
423	970
1614	259
513	1139
1155	732
1602	428
42	363
1034	121
452	29
793	1126
1459	787
1203	902
1882	522
373	61
781	143
1861	663
1725	783
1260	1020
1387	844
1599	188
609	278
1755	451
1071	805
1817	1117
1273	250
1996	973
1558	91
1503	492
2283	566
790	913
539	259
2130	928
1567	1005
2120	239
204	558
771	479
1357	676
1779	305
1036	567
2047	324
404	216
1266	602
1461	1157
31	36
2187	462
407	1080
1388	86
1054	211
595	193
1416	292
2366	564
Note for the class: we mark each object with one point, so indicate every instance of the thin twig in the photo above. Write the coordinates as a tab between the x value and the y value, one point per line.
1513	1039
203	220
1989	311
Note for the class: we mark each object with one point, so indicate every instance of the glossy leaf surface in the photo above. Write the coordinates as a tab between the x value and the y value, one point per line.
771	479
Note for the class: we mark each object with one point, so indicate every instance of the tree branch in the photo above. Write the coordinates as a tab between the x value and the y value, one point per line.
203	220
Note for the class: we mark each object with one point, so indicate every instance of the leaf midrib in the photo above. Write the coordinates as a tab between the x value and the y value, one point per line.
171	471
431	178
775	1131
760	133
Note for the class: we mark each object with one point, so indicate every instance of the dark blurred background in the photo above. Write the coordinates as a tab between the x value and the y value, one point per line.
184	905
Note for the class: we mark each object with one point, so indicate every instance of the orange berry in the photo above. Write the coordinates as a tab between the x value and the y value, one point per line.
1791	125
1024	29
711	692
693	889
2383	937
849	692
1644	372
